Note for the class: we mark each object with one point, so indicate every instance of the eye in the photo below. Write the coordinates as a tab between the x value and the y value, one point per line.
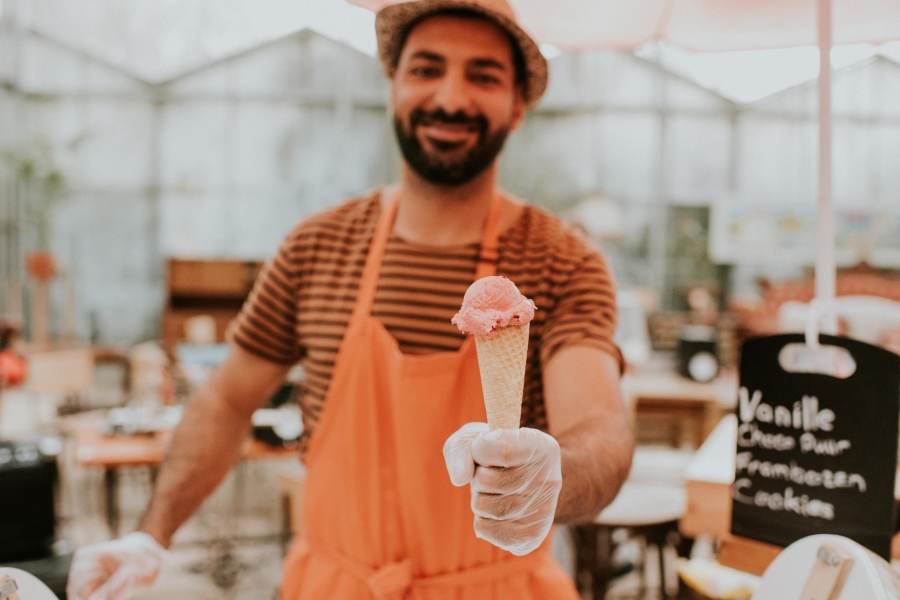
485	79
425	71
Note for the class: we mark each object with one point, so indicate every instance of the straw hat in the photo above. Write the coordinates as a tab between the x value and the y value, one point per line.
393	22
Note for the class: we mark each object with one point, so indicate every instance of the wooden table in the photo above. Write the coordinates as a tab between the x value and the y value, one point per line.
708	483
66	370
674	410
111	453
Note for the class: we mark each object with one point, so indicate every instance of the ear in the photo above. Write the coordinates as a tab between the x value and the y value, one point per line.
391	94
519	108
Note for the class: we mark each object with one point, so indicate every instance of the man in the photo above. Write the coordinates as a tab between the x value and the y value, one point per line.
362	295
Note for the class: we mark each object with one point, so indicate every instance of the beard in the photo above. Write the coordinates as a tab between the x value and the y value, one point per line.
443	170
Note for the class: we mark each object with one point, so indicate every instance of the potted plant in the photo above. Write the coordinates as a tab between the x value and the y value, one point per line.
42	185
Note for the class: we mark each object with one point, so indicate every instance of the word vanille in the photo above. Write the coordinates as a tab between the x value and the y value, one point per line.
805	414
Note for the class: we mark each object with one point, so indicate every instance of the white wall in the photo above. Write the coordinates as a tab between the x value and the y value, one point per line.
777	153
615	124
779	140
252	145
10	113
218	163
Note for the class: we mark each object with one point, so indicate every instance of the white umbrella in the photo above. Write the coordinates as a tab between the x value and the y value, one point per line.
724	25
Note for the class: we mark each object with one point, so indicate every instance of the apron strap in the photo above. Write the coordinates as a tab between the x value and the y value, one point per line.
372	271
487	256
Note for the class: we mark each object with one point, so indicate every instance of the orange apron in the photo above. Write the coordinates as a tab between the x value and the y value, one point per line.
381	518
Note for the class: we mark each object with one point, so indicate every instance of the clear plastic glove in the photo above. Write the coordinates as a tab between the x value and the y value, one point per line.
115	570
515	476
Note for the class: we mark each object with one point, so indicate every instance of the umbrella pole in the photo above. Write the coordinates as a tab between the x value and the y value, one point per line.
825	254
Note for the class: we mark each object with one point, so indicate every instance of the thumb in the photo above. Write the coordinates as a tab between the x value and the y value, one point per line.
82	585
458	453
123	584
90	569
115	587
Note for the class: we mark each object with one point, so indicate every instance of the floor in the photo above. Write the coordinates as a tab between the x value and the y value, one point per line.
232	547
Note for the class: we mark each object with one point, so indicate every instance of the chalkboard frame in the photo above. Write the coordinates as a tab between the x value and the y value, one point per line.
871	428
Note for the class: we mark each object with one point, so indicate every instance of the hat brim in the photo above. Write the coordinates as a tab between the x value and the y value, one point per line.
393	22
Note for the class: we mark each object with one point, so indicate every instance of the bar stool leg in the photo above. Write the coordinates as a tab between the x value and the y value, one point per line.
670	569
111	479
602	538
652	579
590	563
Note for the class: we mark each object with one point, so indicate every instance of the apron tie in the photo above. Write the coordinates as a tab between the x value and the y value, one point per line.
389	582
394	580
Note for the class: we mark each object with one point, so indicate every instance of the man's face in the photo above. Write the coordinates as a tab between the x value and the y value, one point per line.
455	97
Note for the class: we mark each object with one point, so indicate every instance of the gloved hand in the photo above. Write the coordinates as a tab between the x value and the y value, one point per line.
115	570
515	476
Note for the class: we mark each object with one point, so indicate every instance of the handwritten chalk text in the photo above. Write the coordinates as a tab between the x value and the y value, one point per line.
805	415
792	473
802	505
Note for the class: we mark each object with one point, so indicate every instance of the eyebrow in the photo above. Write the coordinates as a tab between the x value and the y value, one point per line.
482	63
428	56
488	63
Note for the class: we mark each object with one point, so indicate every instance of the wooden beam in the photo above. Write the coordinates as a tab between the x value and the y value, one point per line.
747	555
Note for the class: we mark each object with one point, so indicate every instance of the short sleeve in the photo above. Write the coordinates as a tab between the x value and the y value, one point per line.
584	313
267	323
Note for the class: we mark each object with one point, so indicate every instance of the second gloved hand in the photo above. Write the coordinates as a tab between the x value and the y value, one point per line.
515	477
115	570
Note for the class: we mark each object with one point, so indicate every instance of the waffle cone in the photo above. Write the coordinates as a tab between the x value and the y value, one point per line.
501	360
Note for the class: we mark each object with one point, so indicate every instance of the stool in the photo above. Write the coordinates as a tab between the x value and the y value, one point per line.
648	510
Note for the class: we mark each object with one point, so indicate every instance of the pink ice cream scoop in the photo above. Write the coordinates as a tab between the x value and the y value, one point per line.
491	303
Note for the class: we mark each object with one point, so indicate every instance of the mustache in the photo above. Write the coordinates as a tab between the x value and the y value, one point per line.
420	116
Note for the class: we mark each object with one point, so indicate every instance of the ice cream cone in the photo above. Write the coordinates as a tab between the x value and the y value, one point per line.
501	360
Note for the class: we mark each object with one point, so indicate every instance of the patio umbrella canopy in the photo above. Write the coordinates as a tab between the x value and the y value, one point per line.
719	26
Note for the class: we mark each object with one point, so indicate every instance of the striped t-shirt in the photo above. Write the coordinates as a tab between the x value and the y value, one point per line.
301	304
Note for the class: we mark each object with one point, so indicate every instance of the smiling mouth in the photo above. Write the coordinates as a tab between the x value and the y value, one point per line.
449	132
445	146
446	137
446	132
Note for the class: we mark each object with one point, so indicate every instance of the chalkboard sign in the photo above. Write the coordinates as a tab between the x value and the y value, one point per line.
815	453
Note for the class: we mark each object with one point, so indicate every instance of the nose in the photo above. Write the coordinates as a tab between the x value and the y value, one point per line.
451	93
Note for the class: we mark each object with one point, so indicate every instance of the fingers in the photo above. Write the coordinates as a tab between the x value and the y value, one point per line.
515	487
499	480
500	507
510	493
121	586
116	569
89	571
515	478
82	589
458	453
518	538
509	447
